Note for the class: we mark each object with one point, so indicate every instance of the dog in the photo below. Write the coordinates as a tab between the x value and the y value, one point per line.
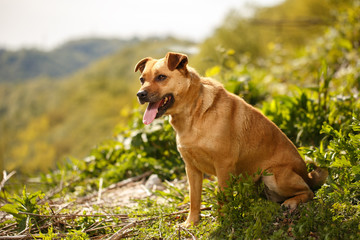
219	134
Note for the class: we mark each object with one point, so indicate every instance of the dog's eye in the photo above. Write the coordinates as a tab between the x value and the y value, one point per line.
142	80
161	77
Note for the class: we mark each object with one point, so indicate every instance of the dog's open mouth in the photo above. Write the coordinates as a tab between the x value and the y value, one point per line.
157	109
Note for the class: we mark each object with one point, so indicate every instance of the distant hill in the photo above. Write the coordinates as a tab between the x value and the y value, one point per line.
43	121
64	60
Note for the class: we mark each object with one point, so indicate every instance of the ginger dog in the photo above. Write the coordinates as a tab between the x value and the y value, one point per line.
218	133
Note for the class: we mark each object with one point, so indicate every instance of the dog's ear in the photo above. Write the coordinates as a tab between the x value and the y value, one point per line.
176	61
141	64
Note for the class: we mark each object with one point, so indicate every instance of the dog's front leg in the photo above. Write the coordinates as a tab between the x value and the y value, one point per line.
195	178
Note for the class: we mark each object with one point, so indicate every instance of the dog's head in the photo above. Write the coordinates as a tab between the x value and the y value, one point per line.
162	82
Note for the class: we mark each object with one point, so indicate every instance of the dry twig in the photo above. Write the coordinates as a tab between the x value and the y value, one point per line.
186	230
122	232
6	177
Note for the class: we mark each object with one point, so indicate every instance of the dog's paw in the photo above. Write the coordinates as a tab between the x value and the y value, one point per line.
186	224
190	222
291	204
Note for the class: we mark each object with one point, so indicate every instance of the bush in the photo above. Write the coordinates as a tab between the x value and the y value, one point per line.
342	158
245	214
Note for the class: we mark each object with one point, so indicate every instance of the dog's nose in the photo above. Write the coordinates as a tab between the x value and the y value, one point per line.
142	94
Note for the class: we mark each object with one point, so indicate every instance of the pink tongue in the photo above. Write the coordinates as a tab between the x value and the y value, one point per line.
151	112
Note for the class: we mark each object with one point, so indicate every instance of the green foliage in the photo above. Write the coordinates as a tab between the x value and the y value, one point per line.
324	220
76	235
50	235
301	117
243	214
290	24
27	202
342	158
241	80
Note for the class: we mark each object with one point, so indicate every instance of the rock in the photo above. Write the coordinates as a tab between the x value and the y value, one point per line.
154	182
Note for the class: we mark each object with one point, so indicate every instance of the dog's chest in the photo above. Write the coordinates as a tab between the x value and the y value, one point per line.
198	156
199	145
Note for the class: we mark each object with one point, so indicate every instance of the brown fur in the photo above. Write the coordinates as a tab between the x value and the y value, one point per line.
218	133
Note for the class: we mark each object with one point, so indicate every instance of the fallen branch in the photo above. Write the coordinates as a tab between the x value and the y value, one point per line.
129	180
186	211
122	216
32	236
17	237
99	228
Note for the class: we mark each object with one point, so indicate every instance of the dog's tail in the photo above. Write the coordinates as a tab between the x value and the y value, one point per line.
318	176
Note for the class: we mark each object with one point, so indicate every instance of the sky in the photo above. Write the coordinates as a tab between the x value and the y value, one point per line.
46	24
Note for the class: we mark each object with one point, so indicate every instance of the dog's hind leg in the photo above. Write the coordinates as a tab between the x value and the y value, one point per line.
287	185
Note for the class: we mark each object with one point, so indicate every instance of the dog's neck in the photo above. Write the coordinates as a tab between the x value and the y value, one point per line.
199	99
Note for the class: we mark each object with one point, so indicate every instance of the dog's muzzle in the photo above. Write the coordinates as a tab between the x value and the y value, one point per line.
142	96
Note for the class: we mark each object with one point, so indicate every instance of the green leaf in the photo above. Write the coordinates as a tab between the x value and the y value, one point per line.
341	162
10	208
